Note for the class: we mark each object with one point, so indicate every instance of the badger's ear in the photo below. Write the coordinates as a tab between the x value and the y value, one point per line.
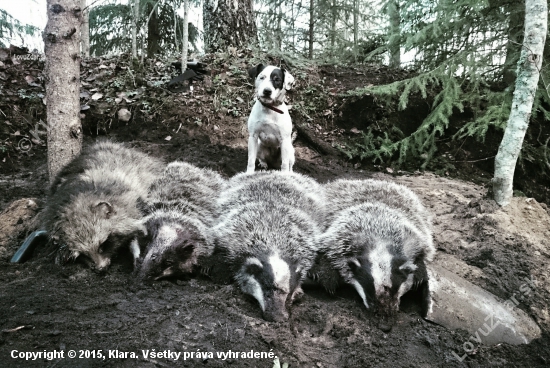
253	266
408	267
253	72
288	80
106	209
354	264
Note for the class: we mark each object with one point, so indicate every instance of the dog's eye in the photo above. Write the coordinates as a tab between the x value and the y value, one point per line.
262	77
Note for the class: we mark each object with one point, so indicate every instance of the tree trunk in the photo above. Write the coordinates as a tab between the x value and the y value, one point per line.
228	23
153	34
176	44
135	17
311	24
85	30
185	36
279	36
395	34
334	13
355	28
529	66
62	49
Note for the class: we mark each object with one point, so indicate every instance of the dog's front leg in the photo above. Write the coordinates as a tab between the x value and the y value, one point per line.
252	152
287	155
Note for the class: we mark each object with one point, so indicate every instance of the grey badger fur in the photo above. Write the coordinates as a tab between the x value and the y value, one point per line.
378	240
268	229
181	206
92	209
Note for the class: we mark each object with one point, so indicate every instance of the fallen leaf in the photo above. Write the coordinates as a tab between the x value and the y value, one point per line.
96	96
355	130
168	138
389	169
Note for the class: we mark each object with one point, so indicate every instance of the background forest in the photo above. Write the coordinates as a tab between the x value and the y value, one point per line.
462	56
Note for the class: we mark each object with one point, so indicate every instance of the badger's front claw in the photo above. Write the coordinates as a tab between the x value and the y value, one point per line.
297	295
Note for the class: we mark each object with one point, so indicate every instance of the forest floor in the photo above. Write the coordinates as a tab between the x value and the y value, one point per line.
46	307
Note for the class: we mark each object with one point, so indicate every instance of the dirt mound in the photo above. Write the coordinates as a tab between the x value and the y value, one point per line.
44	307
15	220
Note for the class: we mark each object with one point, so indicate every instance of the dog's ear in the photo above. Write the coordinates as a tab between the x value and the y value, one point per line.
253	72
288	80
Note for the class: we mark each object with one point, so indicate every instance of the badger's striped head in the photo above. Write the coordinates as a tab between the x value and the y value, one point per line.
271	281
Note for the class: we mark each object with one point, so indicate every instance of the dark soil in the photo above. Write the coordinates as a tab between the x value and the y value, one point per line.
46	307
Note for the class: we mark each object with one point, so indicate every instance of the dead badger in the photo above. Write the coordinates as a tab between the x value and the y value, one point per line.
378	240
181	206
92	207
268	229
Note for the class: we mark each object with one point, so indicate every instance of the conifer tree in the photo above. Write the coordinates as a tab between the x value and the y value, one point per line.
395	33
11	27
228	23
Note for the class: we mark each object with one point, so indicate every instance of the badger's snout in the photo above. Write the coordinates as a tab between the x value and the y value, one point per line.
100	264
387	303
275	309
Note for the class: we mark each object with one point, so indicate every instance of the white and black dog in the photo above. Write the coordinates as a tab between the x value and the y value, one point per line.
269	124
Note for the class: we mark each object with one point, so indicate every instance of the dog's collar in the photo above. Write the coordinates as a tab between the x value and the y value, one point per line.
271	107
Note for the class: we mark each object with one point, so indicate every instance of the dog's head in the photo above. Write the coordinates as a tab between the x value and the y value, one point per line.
271	83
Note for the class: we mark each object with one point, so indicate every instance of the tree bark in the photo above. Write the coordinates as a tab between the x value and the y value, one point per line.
355	28
62	49
85	30
228	23
185	36
135	17
311	25
176	44
529	66
153	33
333	19
395	34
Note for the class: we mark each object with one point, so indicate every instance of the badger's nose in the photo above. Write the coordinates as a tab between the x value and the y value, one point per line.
267	92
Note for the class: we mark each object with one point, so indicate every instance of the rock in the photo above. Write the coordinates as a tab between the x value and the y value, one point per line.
124	115
457	303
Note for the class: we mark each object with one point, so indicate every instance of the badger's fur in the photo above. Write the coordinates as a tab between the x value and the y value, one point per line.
344	193
378	240
92	209
268	229
181	206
